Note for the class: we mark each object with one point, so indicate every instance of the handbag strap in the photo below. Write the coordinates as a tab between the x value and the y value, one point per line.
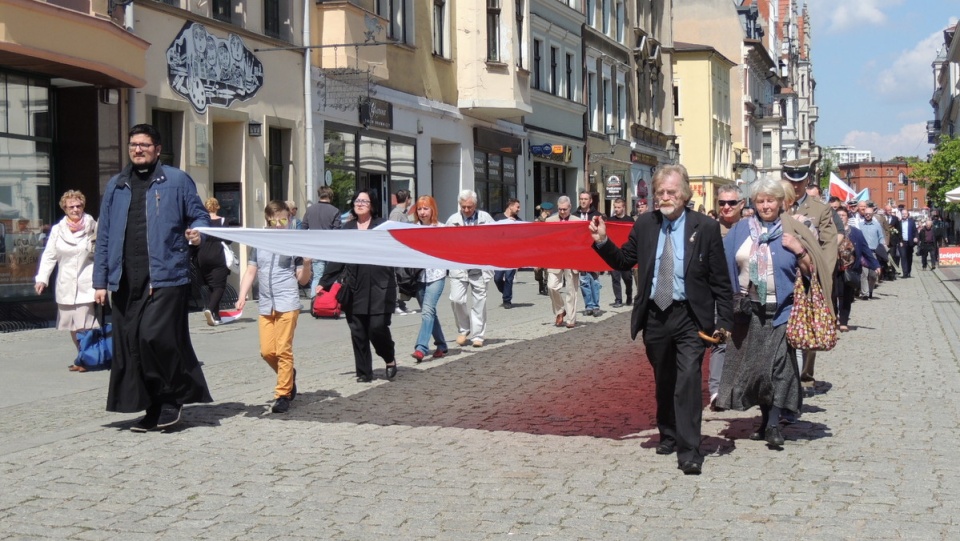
98	310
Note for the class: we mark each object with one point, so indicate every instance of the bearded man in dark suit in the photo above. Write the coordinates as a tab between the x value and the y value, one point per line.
683	282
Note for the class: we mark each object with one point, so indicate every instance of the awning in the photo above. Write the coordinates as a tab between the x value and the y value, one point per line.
953	196
40	37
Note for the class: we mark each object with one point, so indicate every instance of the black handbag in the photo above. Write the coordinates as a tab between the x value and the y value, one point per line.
345	293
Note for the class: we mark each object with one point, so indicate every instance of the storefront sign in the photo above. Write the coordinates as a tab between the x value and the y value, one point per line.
480	164
613	187
496	141
207	70
950	257
509	170
200	146
376	113
641	158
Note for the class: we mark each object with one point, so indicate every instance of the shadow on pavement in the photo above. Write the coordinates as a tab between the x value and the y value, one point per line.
590	381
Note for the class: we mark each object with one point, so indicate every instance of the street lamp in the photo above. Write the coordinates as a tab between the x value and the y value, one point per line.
612	137
672	152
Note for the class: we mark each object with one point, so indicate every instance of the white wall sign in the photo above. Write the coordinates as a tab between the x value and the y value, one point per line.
200	154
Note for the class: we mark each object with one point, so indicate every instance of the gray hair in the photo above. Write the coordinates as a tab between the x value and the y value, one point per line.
731	188
563	199
768	186
467	195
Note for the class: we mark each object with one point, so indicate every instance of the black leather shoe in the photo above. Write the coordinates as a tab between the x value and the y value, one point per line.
392	370
691	468
666	448
757	436
364	379
774	436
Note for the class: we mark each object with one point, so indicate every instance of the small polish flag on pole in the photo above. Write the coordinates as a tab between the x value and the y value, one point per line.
840	189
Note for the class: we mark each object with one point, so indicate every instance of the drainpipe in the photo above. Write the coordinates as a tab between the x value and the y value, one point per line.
309	183
131	92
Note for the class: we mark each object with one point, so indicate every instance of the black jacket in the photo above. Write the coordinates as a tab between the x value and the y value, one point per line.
374	287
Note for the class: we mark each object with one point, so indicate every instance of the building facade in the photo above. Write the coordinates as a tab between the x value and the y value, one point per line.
701	78
889	183
946	93
846	154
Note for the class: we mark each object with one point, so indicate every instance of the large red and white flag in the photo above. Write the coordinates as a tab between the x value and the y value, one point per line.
841	189
501	245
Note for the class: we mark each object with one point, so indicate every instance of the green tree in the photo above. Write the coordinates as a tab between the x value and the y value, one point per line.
826	167
941	173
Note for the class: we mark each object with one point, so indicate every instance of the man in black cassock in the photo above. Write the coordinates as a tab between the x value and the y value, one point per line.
147	220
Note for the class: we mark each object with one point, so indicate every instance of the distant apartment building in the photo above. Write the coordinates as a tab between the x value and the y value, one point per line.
889	183
845	154
946	93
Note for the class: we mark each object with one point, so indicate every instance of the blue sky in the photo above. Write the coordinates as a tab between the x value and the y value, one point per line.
872	64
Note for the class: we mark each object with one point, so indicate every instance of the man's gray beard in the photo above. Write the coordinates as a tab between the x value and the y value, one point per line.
667	210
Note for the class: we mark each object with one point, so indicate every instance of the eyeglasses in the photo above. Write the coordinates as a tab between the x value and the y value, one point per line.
728	202
74	206
361	202
281	221
145	146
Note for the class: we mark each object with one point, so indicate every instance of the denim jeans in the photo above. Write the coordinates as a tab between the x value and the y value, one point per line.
318	268
590	289
428	295
504	283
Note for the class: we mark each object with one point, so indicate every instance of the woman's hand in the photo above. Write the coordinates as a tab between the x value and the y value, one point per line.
39	287
791	243
319	290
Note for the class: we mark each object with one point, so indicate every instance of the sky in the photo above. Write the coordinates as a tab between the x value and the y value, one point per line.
872	65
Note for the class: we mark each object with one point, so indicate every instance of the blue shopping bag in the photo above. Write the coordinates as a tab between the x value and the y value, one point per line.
96	345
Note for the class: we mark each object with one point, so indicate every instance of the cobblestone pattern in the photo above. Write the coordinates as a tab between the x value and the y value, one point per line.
542	433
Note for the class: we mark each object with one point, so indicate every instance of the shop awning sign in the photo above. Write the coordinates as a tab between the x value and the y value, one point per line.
207	70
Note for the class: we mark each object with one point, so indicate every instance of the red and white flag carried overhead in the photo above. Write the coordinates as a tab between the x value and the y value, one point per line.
841	189
501	245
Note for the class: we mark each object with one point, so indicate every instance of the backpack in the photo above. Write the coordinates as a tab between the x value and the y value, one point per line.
846	253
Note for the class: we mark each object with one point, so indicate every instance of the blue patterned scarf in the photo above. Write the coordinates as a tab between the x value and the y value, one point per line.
760	252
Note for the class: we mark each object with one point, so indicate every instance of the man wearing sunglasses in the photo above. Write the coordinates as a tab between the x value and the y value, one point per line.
148	217
729	206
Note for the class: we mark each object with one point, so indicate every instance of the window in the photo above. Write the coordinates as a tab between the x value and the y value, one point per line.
605	16
621	21
901	195
399	13
277	171
493	30
221	11
890	186
169	128
607	104
440	28
676	101
913	185
621	110
569	79
916	203
554	82
767	149
271	18
520	40
537	64
592	113
591	12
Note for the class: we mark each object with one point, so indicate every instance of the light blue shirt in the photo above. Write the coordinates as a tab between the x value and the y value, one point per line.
676	237
872	232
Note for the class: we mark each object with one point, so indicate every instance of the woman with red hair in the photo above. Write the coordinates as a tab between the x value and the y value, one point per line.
429	291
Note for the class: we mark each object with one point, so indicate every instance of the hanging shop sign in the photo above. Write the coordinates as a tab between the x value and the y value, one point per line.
562	153
207	70
613	187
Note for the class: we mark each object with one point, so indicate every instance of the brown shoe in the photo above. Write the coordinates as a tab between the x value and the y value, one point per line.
560	317
462	340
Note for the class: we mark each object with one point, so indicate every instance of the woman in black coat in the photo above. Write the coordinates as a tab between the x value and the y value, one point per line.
373	298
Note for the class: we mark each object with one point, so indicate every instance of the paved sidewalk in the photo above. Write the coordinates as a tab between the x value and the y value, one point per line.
542	433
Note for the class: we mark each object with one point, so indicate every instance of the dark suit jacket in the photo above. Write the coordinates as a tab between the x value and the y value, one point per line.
705	276
374	287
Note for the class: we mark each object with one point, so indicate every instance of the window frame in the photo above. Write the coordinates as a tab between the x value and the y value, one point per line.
494	52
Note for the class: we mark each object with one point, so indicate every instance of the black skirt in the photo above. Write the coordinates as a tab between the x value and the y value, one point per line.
760	368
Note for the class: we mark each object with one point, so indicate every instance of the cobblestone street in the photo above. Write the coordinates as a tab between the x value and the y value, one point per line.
543	432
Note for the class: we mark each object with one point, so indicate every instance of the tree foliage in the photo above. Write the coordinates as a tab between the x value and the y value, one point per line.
941	173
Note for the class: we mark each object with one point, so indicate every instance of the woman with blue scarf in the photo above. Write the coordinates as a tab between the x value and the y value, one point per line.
763	253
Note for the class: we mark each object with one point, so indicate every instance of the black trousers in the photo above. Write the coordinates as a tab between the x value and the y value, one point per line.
906	258
215	276
627	278
364	330
676	352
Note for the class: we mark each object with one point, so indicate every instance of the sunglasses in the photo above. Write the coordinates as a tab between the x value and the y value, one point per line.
274	223
728	202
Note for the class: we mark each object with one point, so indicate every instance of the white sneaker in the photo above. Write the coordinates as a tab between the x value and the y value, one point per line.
210	320
399	311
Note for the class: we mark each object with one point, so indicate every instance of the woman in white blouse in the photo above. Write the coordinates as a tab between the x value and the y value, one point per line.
429	292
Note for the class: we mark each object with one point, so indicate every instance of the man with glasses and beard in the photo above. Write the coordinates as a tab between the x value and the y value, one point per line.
148	216
685	293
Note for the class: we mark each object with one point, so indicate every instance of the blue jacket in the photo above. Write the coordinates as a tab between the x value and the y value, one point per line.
173	206
784	268
862	251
